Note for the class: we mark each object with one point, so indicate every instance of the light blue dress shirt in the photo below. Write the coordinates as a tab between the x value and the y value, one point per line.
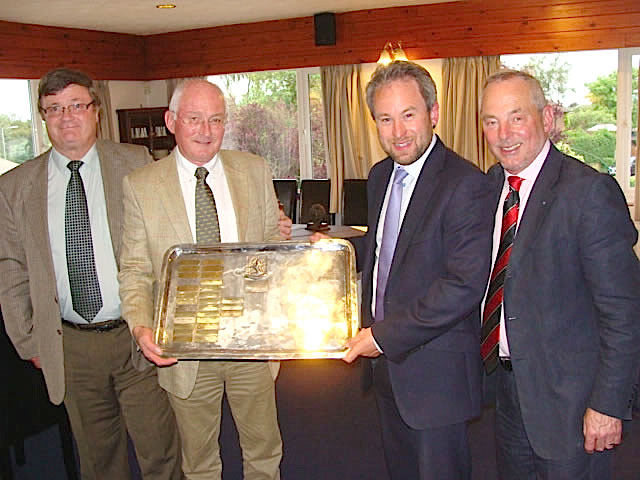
106	267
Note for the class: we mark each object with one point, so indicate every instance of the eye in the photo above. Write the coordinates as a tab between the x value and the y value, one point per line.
409	116
53	109
74	107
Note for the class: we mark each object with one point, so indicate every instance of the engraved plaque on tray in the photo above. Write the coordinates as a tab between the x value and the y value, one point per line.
285	300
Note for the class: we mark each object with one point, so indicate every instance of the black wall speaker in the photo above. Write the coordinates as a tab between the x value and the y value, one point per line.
325	28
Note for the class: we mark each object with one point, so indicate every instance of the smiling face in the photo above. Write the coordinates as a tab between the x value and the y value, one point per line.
513	125
198	123
405	126
71	134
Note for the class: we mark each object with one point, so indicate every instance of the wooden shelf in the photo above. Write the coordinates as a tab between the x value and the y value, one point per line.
145	126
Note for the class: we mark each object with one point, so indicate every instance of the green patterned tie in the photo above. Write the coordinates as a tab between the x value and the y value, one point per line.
207	227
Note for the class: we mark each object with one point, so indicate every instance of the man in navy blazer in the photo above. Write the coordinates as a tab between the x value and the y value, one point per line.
423	333
569	336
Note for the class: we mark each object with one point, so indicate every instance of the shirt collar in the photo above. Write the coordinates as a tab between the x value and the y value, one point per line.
414	169
531	172
90	159
190	167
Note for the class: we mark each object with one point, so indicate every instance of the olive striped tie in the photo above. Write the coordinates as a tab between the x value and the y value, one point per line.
207	227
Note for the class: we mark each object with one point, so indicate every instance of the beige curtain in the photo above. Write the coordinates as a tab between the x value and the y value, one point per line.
461	126
106	129
172	83
636	215
352	142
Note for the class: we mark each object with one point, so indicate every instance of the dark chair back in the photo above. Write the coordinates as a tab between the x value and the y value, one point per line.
354	202
314	201
287	193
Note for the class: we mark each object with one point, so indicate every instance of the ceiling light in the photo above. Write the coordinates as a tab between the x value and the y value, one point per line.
165	5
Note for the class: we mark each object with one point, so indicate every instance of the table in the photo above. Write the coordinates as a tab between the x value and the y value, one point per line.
299	231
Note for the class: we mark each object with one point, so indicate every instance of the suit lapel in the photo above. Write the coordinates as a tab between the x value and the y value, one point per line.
173	201
426	185
238	184
110	169
37	212
540	201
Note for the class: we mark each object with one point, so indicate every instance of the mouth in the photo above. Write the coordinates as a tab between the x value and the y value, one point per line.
511	148
402	145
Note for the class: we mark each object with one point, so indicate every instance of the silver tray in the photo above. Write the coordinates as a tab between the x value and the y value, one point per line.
285	300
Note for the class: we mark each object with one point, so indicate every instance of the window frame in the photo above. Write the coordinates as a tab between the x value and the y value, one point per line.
623	120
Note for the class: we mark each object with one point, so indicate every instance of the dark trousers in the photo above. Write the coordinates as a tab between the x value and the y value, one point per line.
439	453
106	397
517	460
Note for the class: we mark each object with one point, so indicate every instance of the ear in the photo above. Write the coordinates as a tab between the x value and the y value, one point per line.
434	114
548	118
170	120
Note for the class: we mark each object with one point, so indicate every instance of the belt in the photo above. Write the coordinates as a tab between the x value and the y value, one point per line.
506	363
96	327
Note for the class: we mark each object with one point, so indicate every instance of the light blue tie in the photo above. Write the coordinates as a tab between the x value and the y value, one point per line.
389	239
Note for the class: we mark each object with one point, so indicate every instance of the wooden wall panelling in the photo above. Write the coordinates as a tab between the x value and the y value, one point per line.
464	28
29	51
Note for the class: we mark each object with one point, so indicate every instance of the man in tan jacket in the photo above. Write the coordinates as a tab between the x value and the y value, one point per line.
86	354
160	212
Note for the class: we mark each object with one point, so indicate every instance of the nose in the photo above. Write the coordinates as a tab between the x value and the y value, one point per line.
398	129
204	127
504	130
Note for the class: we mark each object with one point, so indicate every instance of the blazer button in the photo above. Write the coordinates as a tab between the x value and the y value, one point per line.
59	332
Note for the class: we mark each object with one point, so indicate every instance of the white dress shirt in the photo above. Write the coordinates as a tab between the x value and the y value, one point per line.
408	185
217	181
529	176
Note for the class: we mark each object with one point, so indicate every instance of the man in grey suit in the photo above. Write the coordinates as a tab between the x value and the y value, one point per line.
562	313
161	210
48	207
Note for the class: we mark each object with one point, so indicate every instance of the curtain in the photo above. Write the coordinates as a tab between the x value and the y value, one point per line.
636	215
461	125
352	142
172	83
106	130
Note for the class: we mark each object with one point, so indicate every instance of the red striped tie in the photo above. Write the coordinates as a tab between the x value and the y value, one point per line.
493	302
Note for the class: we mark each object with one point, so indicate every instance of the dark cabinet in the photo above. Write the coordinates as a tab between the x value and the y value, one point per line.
145	126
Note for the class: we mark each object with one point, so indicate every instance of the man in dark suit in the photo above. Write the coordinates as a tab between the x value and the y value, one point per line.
565	336
86	352
422	327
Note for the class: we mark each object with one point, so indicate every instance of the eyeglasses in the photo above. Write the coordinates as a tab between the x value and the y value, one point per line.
192	120
73	109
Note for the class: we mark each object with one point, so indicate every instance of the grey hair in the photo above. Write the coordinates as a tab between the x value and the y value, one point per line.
402	70
177	94
535	89
58	79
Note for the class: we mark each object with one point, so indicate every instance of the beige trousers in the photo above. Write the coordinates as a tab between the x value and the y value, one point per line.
250	391
106	397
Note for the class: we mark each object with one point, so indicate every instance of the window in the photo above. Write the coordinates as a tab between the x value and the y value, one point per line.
16	134
595	98
277	115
